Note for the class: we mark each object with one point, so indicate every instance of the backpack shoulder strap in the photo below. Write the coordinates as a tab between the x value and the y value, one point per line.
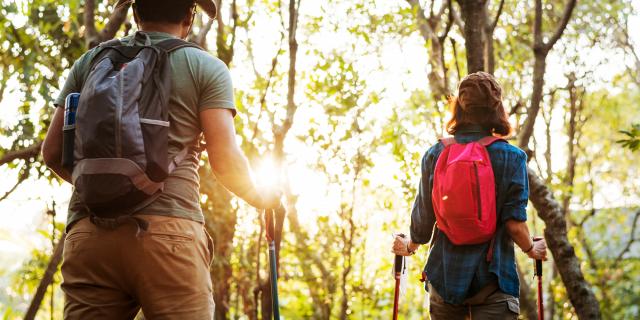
486	141
110	43
448	141
174	44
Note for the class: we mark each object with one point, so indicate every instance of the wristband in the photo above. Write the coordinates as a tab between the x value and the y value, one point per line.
530	248
410	252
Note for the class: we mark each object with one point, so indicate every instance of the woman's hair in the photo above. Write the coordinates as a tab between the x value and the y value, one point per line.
479	102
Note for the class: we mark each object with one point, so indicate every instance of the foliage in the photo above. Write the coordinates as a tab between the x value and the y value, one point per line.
633	138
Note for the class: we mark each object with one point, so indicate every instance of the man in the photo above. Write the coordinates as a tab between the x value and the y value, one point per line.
112	273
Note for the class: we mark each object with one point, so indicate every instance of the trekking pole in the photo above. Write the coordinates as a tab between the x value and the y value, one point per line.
397	265
273	266
538	274
397	268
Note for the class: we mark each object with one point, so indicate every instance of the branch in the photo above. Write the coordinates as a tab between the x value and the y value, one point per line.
493	24
629	47
91	34
632	239
447	28
423	25
282	130
263	98
24	174
22	154
455	57
3	85
235	17
537	26
202	35
116	19
566	15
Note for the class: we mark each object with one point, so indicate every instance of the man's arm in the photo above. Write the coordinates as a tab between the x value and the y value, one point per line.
52	146
229	163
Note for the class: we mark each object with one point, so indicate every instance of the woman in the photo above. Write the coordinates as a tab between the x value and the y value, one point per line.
461	282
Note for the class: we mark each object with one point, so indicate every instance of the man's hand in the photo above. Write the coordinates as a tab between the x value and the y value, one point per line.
403	246
539	250
265	198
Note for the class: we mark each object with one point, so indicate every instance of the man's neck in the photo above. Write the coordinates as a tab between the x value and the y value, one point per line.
170	28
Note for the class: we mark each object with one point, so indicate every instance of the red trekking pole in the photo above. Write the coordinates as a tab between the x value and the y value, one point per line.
397	267
538	274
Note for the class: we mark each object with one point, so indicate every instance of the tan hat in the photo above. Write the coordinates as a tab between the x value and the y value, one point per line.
208	6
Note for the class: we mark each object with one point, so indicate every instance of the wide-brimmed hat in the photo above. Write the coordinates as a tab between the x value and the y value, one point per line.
208	6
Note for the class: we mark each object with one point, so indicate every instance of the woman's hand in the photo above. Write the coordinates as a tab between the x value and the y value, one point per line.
539	250
403	246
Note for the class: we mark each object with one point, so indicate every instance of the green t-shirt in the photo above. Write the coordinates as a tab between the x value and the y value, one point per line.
199	81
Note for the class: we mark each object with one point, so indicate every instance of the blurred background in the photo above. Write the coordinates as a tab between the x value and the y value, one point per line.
338	100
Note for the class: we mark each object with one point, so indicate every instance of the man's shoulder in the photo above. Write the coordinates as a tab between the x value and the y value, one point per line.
85	59
202	57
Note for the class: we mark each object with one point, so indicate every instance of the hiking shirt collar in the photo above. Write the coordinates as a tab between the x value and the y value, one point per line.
159	35
472	130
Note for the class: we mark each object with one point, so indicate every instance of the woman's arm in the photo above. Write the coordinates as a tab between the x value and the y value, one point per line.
519	232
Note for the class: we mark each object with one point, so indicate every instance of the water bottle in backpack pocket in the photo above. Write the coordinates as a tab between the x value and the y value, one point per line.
69	128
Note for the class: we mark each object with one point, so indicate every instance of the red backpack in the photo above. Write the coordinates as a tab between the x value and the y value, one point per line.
464	192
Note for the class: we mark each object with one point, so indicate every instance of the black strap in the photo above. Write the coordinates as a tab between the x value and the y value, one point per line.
174	44
168	45
111	43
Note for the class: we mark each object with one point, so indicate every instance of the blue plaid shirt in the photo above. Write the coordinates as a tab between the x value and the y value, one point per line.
458	272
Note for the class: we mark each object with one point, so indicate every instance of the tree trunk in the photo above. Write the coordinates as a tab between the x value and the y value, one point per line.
47	279
220	222
582	298
473	15
527	298
266	307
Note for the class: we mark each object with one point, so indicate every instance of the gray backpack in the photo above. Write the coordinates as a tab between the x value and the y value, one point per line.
122	127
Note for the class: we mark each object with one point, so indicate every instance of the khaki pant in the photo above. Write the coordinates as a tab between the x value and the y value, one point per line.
490	303
111	274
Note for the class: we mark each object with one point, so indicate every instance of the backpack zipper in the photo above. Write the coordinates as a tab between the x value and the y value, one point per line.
475	167
118	119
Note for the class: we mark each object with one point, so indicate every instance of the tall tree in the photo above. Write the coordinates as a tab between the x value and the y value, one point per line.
541	50
474	17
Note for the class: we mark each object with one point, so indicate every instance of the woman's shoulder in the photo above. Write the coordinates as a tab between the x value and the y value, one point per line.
508	149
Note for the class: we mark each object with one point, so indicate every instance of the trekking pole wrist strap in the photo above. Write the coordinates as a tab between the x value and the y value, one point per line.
530	248
409	250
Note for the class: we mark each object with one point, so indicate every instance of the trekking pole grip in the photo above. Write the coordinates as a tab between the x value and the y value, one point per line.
269	224
538	261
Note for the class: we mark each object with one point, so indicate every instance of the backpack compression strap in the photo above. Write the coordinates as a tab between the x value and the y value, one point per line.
486	141
174	44
110	43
